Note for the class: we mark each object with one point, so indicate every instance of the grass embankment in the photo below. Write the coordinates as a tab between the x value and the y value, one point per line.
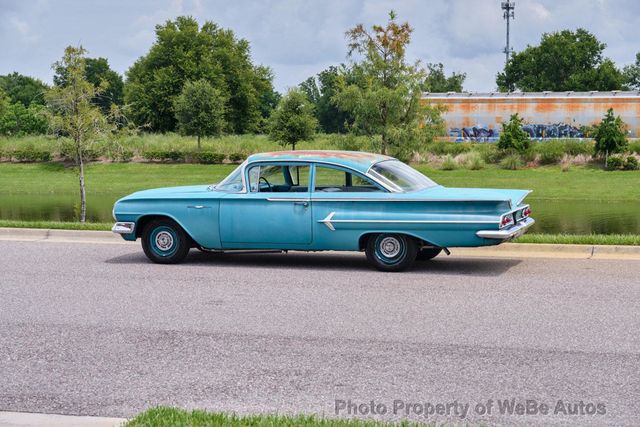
161	417
547	183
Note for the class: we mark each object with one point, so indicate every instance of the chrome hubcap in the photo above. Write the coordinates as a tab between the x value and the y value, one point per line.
390	247
164	241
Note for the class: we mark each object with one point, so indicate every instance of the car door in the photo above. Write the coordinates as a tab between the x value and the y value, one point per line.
274	212
344	204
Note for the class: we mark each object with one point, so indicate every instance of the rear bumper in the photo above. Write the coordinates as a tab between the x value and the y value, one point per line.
512	232
123	227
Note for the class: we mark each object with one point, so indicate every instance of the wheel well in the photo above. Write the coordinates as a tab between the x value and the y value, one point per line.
362	242
144	220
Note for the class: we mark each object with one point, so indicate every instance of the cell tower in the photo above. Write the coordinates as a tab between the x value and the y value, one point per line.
509	12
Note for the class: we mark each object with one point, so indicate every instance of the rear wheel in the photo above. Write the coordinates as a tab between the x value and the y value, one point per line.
425	254
165	242
391	252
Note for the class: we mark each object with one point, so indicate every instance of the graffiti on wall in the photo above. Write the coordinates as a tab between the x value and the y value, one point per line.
536	131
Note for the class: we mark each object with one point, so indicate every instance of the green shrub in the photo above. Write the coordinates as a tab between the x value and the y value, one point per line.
615	163
471	160
634	147
513	137
449	148
123	155
476	162
490	153
164	155
574	147
511	162
631	164
550	152
448	163
30	154
237	157
348	142
208	157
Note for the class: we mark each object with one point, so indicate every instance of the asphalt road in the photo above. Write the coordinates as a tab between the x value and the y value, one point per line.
95	329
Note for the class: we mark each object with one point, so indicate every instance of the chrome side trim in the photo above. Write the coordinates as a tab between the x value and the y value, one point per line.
123	227
364	199
284	199
509	233
329	221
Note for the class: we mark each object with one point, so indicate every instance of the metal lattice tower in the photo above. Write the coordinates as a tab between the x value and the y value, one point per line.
508	8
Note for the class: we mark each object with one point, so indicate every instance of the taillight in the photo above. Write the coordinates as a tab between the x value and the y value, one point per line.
506	220
526	212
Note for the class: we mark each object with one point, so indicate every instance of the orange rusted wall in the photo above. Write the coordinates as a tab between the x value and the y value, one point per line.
490	110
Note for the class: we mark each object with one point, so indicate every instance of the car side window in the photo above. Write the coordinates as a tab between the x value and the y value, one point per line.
266	178
332	180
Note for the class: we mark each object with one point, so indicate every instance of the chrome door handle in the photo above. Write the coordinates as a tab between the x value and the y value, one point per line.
198	207
305	204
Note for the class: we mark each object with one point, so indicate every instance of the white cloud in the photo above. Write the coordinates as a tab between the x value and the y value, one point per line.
298	38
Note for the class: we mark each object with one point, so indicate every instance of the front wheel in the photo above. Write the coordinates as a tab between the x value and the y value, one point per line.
165	242
391	252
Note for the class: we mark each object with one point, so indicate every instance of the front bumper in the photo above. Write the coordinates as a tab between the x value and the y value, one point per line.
123	227
512	232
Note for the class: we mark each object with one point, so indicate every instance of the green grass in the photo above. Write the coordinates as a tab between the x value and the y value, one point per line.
172	417
549	182
55	225
582	239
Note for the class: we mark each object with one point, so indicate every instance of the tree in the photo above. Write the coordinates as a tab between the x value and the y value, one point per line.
98	73
23	89
610	136
73	111
513	137
321	91
200	110
293	119
437	81
18	120
183	52
565	60
631	74
384	96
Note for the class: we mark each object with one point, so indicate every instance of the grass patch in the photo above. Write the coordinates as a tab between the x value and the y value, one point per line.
163	416
549	182
55	225
582	239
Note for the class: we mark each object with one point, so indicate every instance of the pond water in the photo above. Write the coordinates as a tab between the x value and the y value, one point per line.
552	216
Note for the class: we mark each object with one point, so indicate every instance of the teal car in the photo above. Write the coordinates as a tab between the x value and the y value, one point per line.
320	201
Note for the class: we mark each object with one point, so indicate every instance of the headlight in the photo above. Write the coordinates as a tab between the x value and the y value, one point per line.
113	213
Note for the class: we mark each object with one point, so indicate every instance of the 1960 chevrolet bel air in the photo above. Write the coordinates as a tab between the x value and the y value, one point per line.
322	200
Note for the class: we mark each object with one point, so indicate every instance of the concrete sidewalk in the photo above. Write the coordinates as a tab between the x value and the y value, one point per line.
509	250
28	419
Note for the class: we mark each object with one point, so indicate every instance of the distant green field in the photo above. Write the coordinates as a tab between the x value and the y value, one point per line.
549	182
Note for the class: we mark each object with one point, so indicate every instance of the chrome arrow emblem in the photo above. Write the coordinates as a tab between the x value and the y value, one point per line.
327	221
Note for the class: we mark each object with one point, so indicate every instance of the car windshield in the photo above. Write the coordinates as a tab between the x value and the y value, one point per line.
233	182
400	177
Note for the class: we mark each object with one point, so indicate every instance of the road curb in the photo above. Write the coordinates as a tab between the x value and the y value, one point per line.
28	419
524	250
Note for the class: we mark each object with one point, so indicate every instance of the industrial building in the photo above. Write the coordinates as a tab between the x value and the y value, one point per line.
478	116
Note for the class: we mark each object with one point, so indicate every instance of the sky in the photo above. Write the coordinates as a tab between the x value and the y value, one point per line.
298	39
